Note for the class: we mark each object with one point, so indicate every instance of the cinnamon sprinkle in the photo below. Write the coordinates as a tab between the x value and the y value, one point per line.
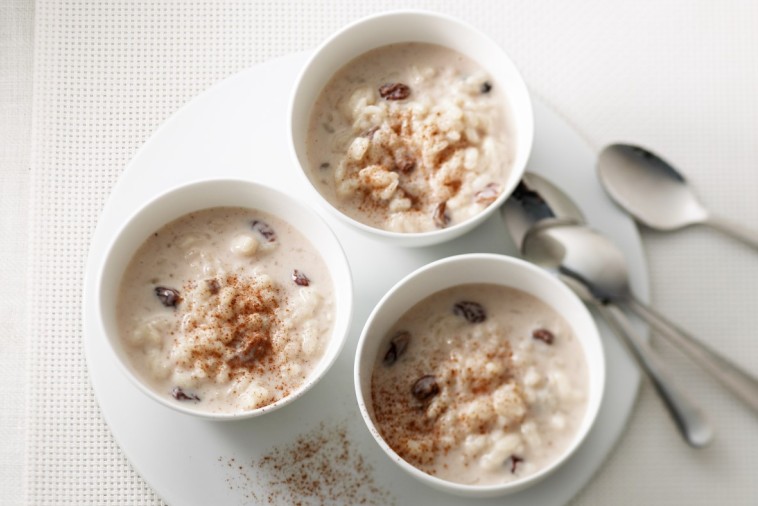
320	467
402	154
410	426
248	318
232	332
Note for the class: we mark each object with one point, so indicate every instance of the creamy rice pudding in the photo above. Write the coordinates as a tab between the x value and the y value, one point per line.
410	137
228	309
480	384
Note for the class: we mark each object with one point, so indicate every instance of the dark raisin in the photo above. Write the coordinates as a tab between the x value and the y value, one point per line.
486	87
440	216
394	91
488	194
515	460
168	296
251	349
180	395
425	388
405	164
264	229
324	166
543	335
398	345
473	312
213	286
300	279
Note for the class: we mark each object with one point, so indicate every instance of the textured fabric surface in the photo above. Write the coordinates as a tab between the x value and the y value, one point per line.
677	76
16	24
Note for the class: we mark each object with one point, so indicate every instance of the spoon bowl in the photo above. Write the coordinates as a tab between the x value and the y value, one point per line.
537	202
581	253
656	194
649	188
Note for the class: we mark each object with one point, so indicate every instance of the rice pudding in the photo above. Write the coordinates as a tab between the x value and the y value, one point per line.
410	137
227	308
480	384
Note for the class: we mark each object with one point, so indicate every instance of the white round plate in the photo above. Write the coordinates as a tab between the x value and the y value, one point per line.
237	130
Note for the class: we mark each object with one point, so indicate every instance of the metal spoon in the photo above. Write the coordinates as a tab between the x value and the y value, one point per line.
656	194
537	201
543	245
599	264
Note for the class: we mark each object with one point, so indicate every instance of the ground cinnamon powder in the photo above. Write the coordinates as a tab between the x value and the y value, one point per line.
405	422
320	467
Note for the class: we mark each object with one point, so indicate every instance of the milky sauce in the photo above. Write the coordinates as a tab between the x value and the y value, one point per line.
480	384
410	137
225	310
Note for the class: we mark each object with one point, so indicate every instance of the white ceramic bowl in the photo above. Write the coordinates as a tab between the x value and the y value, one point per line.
478	268
200	195
413	26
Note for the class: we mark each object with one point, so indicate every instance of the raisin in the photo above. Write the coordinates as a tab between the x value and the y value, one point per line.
404	164
543	335
324	166
250	349
440	216
168	296
473	312
264	229
398	345
213	286
488	194
515	460
300	279
486	87
394	91
425	388
180	395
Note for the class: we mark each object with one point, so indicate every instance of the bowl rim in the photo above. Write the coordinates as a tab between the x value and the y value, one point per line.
340	263
526	131
596	371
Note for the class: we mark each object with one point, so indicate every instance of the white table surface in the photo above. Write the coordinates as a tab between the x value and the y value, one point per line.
679	77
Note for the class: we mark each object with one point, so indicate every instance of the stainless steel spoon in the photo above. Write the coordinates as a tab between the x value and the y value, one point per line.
656	194
598	263
537	201
542	245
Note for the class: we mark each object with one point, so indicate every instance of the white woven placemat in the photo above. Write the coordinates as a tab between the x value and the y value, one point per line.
16	23
679	77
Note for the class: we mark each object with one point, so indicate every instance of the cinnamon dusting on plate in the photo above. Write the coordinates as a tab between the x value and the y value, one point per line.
319	467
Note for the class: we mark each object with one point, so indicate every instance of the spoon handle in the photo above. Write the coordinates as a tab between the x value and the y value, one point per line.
689	419
740	382
734	229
